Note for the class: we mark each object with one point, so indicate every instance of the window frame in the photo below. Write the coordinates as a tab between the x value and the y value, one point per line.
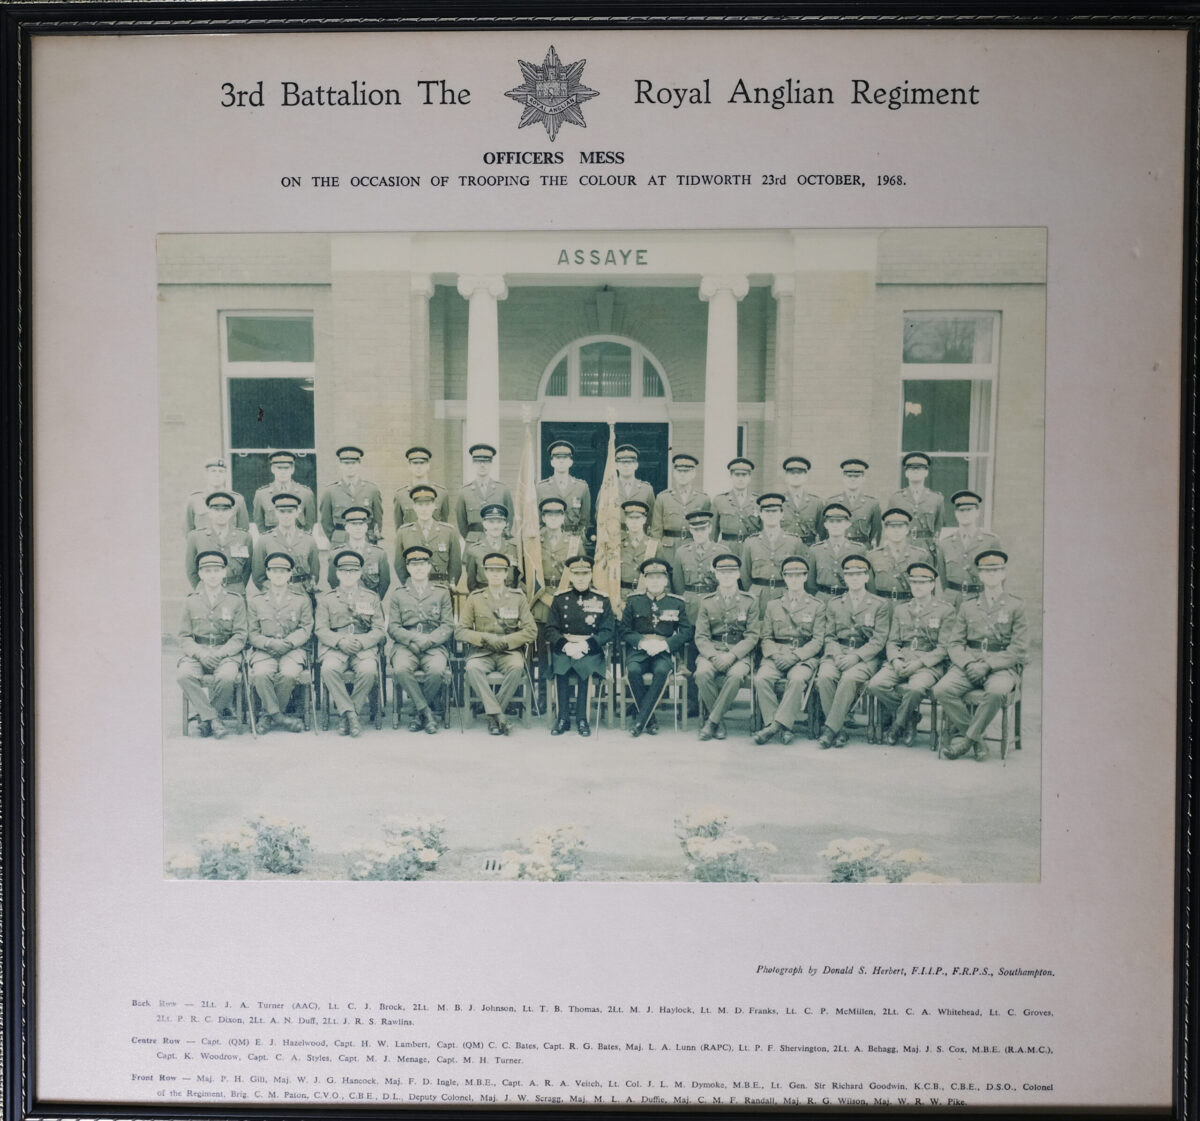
636	404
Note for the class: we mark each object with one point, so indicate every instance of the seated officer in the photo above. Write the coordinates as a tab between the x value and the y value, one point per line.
496	621
288	538
402	502
636	546
988	647
376	572
196	514
654	627
957	548
580	627
577	499
350	489
763	552
495	521
349	626
281	623
283	467
801	510
825	557
856	630
889	563
420	624
736	509
220	535
926	506
727	631
440	538
793	635
916	653
863	507
671	506
212	634
481	491
629	486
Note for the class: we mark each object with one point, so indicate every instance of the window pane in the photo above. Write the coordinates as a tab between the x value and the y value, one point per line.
605	370
947	475
948	338
652	385
274	338
556	386
251	471
937	416
271	413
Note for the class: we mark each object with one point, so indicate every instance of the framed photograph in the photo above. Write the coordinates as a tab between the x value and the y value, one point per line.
597	565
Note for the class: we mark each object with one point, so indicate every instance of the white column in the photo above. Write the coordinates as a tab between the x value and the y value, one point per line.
720	376
782	430
483	362
422	292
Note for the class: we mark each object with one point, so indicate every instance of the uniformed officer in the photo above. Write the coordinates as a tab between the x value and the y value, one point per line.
288	538
763	552
350	628
801	510
578	632
736	510
215	478
419	461
654	628
562	484
496	621
865	523
927	507
958	547
889	563
281	623
692	573
557	546
636	545
856	631
988	645
629	486
439	537
420	618
481	491
727	631
219	534
350	489
376	572
212	635
825	557
916	653
793	635
283	467
667	521
495	520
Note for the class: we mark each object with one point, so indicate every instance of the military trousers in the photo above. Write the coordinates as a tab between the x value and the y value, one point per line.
900	696
219	698
949	693
434	663
510	663
364	666
637	664
275	678
839	689
787	710
718	689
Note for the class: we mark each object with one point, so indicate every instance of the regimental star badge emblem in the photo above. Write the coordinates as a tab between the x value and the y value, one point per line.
552	93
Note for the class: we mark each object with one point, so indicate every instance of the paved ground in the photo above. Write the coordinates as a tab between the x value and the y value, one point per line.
978	822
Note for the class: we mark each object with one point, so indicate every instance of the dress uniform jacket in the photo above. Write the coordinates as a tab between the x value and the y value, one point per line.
196	514
473	498
889	576
735	519
219	626
300	546
580	614
666	617
348	611
376	572
863	630
505	613
995	633
667	519
728	624
825	565
793	630
288	617
762	558
473	562
692	574
632	555
802	515
445	566
554	560
409	614
577	497
956	558
338	497
236	549
921	629
927	509
264	508
866	521
405	511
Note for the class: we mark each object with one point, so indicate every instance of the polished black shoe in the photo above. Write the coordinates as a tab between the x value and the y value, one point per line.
910	733
353	725
203	729
493	725
720	732
430	720
982	751
637	729
892	736
786	735
415	724
841	739
562	724
289	723
708	731
583	728
828	735
504	726
652	726
219	731
959	746
766	734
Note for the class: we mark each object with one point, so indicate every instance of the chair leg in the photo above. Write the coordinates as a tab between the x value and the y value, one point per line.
1003	731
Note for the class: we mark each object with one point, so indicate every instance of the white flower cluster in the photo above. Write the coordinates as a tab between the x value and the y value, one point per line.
550	856
860	860
410	849
715	855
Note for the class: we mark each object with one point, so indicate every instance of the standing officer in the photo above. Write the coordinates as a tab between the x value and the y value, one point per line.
988	646
440	538
281	623
636	545
350	489
856	631
497	622
692	573
402	502
865	523
212	634
220	535
654	627
916	653
196	514
672	506
825	557
288	538
376	572
481	491
577	499
495	520
763	552
578	632
350	628
889	563
736	510
557	546
793	634
727	631
629	486
926	506
957	548
283	467
801	510
420	624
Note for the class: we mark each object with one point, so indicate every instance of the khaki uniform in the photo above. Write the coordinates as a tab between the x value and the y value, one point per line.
866	521
762	560
445	566
639	490
338	497
298	545
736	516
196	514
421	625
793	635
278	619
725	624
577	497
956	555
802	515
667	518
692	574
633	555
211	627
554	559
264	508
473	498
236	548
505	615
859	630
376	572
473	562
404	510
889	570
919	633
341	612
825	566
927	509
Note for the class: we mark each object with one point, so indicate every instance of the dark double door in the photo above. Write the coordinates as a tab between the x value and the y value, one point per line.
590	439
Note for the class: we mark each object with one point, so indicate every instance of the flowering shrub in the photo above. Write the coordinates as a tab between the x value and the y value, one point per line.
280	846
860	860
265	844
409	850
550	855
714	854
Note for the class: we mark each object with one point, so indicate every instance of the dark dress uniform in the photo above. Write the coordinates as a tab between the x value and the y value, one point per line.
473	562
866	521
860	629
667	518
442	542
376	572
504	616
235	546
338	497
264	506
762	557
825	566
404	512
793	635
889	569
666	617
421	625
575	614
802	515
725	624
218	627
919	633
736	516
928	509
341	612
281	623
298	545
196	514
575	495
472	499
956	553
